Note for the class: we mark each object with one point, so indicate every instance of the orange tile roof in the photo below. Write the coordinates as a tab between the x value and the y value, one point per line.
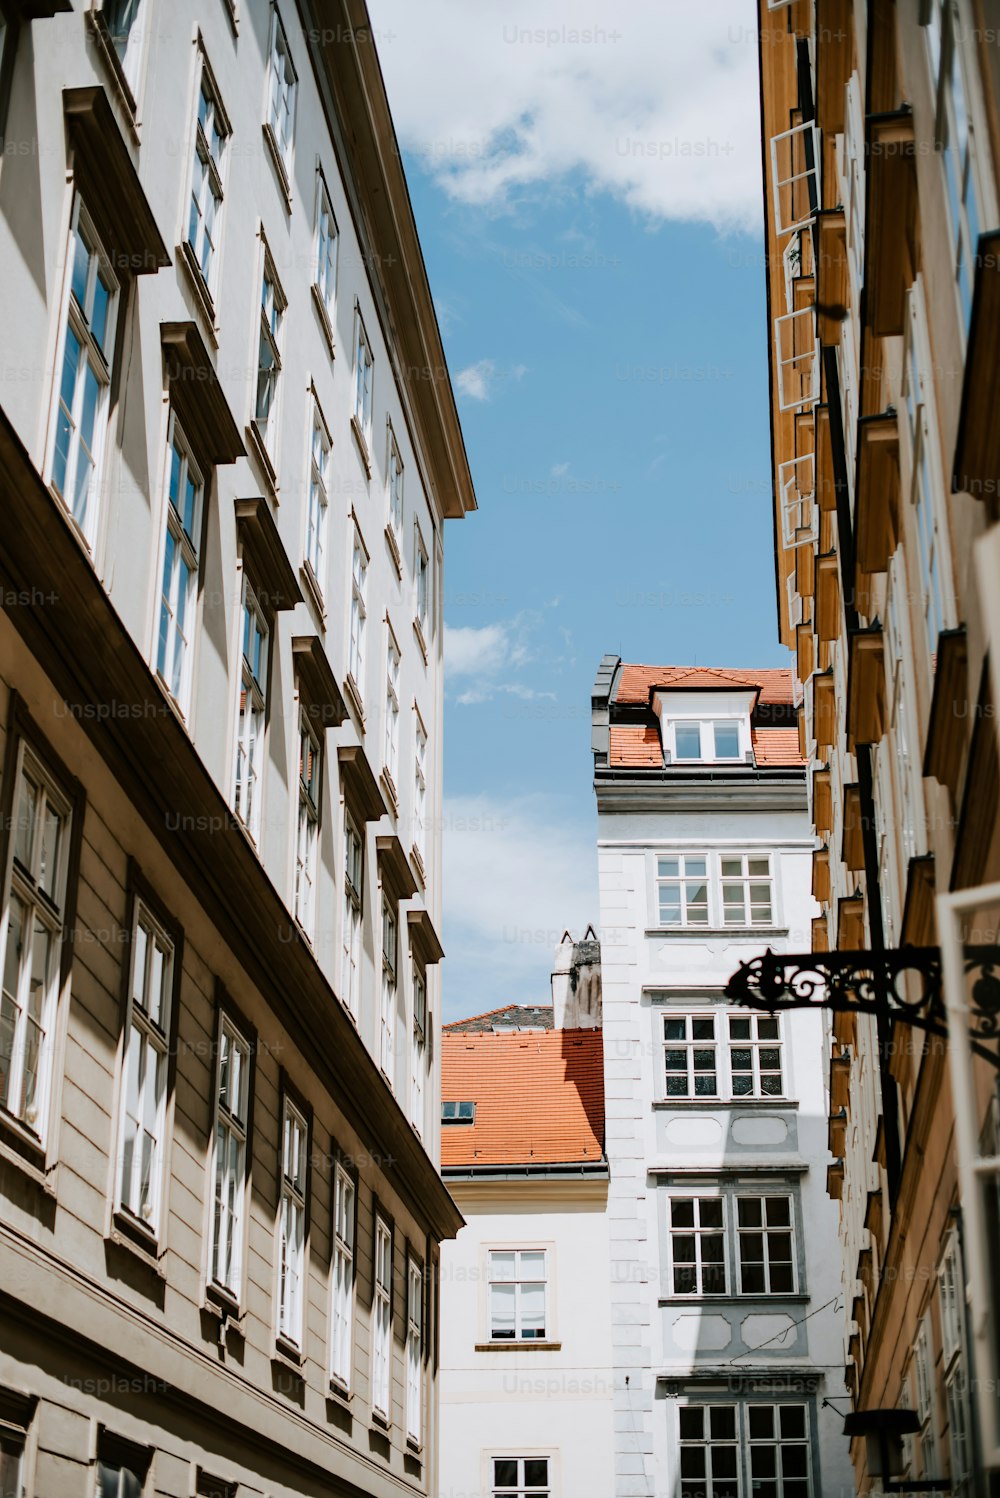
636	682
776	746
539	1098
636	746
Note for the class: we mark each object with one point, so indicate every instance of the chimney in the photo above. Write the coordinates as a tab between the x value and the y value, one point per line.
576	983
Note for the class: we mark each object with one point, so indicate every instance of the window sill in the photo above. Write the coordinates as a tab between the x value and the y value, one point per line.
529	1346
417	859
324	319
289	1357
394	551
20	1148
314	592
795	1297
258	449
340	1394
112	65
280	166
225	1308
715	931
203	297
710	1104
381	1423
418	630
353	695
128	1233
362	442
415	1446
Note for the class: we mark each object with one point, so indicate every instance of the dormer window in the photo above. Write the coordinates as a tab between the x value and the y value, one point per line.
704	740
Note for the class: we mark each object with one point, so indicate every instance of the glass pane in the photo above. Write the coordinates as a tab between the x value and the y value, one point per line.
27	811
695	866
705	1084
682	1213
673	1029
711	1212
676	1061
685	1280
727	740
692	1422
758	867
713	1248
677	1084
793	1422
723	1423
703	1029
536	1471
49	861
767	1029
749	1209
502	1310
752	1276
688	740
669	868
761	1417
504	1472
778	1208
739	1029
532	1308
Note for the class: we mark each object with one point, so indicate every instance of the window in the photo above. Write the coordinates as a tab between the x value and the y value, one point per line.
232	1103
392	708
712	740
382	1320
924	479
81	417
292	1222
755	1056
765	1245
900	711
422	573
521	1477
319	497
117	1481
359	614
923	1363
709	1451
144	1081
121	18
281	104
363	375
353	910
395	488
11	1465
307	837
327	242
698	1245
778	1450
458	1113
389	946
689	1056
419	1050
956	139
211	133
420	791
517	1281
746	890
250	718
682	890
178	598
34	921
272	313
414	1352
951	1292
342	1313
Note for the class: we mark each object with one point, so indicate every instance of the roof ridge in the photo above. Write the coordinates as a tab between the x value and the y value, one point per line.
487	1013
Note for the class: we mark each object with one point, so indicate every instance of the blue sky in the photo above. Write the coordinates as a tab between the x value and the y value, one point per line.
587	193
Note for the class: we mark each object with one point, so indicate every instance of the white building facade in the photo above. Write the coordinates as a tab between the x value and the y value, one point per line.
725	1296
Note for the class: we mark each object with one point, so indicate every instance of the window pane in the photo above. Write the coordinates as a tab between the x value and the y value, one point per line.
761	1417
723	1423
688	740
727	740
504	1472
692	1423
536	1472
682	1213
668	868
711	1212
703	1029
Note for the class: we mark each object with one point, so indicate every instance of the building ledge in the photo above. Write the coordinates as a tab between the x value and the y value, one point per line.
890	219
729	1105
976	469
519	1346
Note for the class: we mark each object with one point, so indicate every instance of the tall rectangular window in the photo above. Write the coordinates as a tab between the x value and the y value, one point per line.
923	1362
924	481
951	1295
518	1280
342	1287
327	242
282	86
682	890
251	714
353	911
232	1105
698	1245
359	615
390	943
307	833
382	1320
755	1056
122	20
709	1451
422	570
419	1050
957	140
292	1223
363	381
766	1245
272	314
420	791
31	941
521	1477
181	548
11	1465
690	1056
394	487
747	892
81	419
319	497
778	1450
414	1352
204	221
392	708
144	1078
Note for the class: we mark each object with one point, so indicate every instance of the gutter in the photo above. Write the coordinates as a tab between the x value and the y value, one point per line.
583	1169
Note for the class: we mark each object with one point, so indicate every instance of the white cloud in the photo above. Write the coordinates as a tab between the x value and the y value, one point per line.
475	652
656	104
476	380
516	875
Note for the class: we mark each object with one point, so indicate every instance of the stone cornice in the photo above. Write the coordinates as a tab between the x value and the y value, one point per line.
663	790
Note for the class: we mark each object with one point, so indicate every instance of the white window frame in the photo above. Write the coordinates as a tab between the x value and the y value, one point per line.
13	1451
229	1158
723	1045
342	1278
388	988
765	1230
42	898
393	661
709	1442
756	1044
326	254
382	1319
693	1051
698	1231
318	499
522	1488
358	615
414	1352
523	1276
797	366
251	710
420	788
923	1364
282	80
181	548
130	58
899	678
743	1443
749	884
95	357
208	175
783	181
354	906
418	1055
273	305
708	748
777	1441
290	1256
310	807
421	586
684	883
797	497
394	486
145	1037
364	380
853	183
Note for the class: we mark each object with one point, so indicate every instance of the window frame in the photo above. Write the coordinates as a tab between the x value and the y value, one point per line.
422	588
923	1368
358	615
270	334
743	1442
308	827
707	727
188	552
390	746
252	688
697	1231
326	296
317	508
519	1337
689	1044
229	1017
713	880
724	1044
682	880
363	406
294	1109
746	880
418	1047
415	1334
343	1251
521	1489
213	183
389	987
764	1231
383	1229
420	791
283	151
395	491
353	915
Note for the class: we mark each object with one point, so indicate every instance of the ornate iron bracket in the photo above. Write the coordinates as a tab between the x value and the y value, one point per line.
903	984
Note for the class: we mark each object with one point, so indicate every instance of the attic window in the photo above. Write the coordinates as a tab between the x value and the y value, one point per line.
458	1113
705	740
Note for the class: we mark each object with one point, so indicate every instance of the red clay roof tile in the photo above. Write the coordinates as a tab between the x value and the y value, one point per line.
636	682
